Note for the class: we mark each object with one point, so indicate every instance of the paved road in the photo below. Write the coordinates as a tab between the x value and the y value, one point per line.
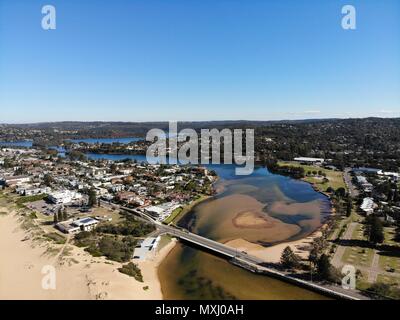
353	191
243	259
337	258
374	269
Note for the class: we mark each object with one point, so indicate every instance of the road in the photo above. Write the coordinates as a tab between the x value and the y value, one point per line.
353	191
245	260
337	258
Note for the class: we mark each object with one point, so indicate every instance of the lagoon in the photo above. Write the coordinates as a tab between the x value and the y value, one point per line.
262	209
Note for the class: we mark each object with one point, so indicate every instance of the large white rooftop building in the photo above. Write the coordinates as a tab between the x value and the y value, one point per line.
63	197
309	160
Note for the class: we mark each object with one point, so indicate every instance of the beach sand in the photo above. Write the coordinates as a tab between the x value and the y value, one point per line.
78	274
273	253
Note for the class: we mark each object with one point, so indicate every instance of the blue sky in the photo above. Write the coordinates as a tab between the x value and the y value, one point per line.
143	60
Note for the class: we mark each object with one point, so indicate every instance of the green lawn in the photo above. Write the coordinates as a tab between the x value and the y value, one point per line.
358	256
173	215
389	236
335	177
26	199
392	280
57	238
387	262
358	233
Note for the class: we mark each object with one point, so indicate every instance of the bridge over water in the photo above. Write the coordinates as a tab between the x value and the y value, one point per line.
244	260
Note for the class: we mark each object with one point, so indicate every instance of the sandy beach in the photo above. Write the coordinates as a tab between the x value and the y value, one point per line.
78	274
273	253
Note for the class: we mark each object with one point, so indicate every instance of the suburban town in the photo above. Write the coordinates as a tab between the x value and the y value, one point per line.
82	200
190	159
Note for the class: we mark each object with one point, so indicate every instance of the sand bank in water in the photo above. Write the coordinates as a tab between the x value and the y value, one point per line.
241	216
273	253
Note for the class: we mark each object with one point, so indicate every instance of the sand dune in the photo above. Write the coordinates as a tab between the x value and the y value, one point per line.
78	274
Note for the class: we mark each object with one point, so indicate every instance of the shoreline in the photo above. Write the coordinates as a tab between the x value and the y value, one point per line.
78	275
272	254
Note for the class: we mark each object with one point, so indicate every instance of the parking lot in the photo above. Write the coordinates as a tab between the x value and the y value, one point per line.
48	208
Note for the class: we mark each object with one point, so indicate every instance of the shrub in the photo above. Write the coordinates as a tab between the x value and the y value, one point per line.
132	270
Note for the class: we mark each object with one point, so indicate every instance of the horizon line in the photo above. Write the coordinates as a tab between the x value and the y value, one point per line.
196	121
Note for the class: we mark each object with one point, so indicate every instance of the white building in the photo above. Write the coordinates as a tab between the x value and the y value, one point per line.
29	190
368	205
162	211
63	197
86	224
13	180
83	224
394	175
367	187
154	210
310	160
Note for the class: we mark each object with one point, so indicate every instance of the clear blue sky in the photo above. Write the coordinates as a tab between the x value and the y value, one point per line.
143	60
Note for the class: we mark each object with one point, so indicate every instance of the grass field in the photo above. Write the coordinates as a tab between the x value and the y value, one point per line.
358	256
390	232
57	238
392	280
173	215
358	232
386	263
21	200
335	178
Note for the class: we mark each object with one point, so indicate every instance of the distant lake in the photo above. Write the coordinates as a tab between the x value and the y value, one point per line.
106	140
23	143
117	157
61	151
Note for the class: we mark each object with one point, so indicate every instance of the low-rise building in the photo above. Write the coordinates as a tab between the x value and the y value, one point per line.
29	190
14	180
63	197
368	205
74	226
310	160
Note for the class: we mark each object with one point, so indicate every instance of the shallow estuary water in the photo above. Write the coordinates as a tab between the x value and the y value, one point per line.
262	209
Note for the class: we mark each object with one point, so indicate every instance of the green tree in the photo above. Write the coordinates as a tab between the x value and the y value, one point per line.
381	289
77	156
92	197
55	218
289	259
324	267
64	214
340	192
313	256
374	229
48	180
349	207
60	215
